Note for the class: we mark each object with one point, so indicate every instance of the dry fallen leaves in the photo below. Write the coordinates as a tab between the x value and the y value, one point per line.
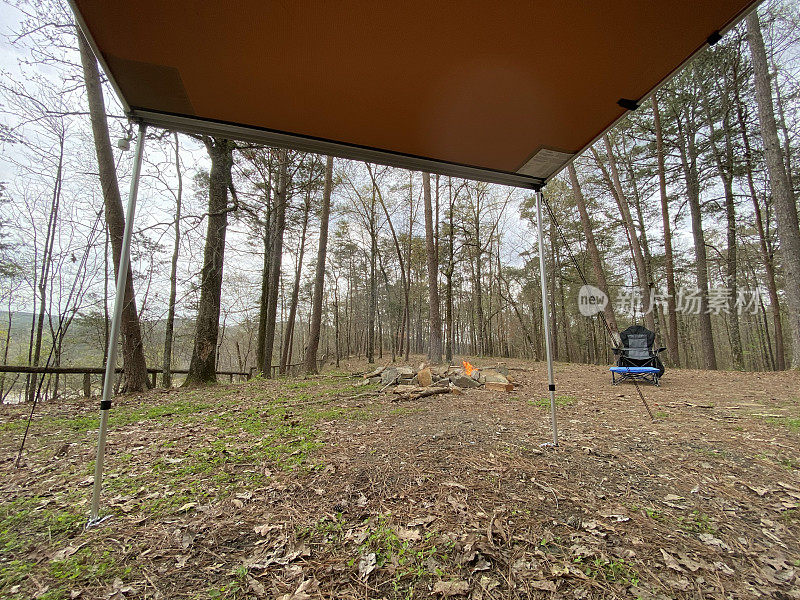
366	565
543	584
451	588
256	586
304	591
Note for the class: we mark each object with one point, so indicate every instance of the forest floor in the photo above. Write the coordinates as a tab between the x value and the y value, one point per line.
308	488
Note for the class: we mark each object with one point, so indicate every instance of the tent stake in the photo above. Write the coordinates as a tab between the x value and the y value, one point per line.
119	301
551	384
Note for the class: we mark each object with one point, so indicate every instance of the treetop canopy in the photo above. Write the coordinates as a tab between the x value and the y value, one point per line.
506	92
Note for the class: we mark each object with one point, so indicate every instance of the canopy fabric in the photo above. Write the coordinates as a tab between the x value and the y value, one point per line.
506	92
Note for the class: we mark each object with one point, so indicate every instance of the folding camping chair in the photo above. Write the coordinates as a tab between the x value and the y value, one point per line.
636	358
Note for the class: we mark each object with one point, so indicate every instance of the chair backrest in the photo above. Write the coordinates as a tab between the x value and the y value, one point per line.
639	341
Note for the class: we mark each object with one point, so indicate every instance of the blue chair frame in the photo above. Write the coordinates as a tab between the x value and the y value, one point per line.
636	358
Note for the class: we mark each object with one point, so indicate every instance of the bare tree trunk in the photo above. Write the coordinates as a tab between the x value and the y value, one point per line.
9	315
435	318
636	248
553	273
276	255
132	348
449	277
725	169
408	262
203	366
173	283
594	253
404	331
392	327
319	279
44	276
373	279
672	317
688	153
288	336
783	196
263	303
766	256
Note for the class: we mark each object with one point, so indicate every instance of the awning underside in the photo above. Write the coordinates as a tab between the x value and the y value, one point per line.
505	92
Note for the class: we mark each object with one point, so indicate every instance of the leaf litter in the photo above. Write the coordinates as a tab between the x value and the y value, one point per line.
444	496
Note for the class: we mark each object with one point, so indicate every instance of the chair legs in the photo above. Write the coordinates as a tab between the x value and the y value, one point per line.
651	377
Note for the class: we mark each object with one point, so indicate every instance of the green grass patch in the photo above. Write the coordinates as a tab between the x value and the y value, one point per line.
653	514
16	425
301	385
615	570
410	559
232	446
560	401
791	515
696	522
34	524
792	423
88	568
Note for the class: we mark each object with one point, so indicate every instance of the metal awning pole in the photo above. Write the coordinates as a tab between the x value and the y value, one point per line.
546	318
119	301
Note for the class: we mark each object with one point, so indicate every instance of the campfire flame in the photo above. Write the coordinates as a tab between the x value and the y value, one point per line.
468	368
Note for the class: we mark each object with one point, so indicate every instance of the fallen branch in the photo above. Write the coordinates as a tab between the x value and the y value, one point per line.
377	371
431	391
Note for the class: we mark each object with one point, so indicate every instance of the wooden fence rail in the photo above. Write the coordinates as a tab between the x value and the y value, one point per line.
87	372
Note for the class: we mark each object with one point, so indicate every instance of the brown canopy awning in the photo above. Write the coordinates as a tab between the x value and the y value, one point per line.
501	91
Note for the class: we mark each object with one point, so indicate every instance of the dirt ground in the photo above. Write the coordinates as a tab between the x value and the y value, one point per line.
323	488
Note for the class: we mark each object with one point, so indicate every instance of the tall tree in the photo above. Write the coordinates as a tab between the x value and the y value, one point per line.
266	225
669	260
448	273
640	264
173	274
685	105
203	366
724	162
319	278
591	245
132	348
276	255
372	309
435	318
288	334
766	255
782	194
43	281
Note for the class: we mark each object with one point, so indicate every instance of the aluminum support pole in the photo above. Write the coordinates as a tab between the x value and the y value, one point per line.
551	384
119	301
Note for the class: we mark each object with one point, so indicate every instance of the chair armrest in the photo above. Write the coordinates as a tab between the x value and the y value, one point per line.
657	350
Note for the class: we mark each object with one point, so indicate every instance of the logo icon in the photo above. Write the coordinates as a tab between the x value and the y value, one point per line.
591	300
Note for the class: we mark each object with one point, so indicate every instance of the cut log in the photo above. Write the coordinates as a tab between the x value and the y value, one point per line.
376	372
492	376
389	376
406	389
499	387
463	381
424	377
432	391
